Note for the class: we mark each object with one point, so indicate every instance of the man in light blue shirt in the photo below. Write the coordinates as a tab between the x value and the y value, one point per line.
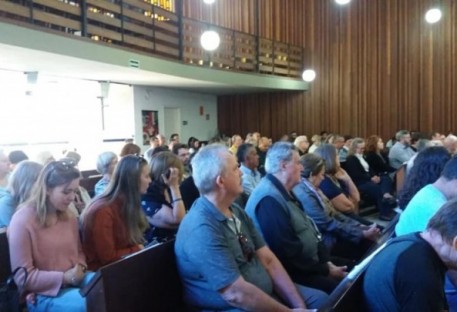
423	207
401	151
249	161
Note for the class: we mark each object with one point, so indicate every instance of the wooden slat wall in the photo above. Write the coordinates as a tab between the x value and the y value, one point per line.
380	66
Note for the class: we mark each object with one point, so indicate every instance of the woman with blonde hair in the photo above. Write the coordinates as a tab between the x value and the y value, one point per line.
113	224
44	239
375	187
163	202
18	190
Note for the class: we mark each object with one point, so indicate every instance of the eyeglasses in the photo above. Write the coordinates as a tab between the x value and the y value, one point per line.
63	165
248	251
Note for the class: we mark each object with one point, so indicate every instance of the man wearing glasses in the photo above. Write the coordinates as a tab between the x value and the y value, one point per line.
223	262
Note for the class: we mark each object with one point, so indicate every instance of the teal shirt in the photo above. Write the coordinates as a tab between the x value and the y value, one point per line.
420	210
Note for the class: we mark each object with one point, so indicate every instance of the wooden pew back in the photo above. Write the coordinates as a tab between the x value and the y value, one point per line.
145	281
5	265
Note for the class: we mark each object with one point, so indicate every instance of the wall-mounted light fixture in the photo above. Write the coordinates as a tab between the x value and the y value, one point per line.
342	2
210	40
433	15
209	1
309	75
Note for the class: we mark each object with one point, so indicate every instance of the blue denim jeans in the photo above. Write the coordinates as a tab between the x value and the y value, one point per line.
68	300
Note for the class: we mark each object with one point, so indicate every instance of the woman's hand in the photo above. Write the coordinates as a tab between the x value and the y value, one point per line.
341	174
75	275
173	177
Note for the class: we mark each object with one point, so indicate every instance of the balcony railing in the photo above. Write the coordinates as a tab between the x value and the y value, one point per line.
141	26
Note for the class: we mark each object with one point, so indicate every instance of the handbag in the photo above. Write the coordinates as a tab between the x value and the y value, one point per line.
10	294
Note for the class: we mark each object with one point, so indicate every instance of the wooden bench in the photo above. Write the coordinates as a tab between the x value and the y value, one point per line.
347	296
145	281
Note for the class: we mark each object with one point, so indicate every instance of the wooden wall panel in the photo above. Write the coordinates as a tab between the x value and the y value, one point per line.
380	66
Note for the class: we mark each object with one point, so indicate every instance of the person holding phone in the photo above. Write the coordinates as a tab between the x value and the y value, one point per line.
44	239
163	202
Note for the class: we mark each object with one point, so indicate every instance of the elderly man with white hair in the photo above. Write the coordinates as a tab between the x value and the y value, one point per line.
450	143
223	261
288	230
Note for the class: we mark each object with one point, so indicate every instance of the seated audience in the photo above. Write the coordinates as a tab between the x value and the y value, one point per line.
5	169
428	200
182	151
421	144
450	143
223	262
424	205
82	197
376	158
236	141
113	223
426	170
344	150
302	144
16	157
18	190
194	145
44	157
289	232
130	149
249	160
44	238
317	141
401	151
262	148
106	163
338	185
163	203
188	189
374	187
342	235
408	274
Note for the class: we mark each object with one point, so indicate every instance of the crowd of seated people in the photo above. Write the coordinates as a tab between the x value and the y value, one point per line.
301	223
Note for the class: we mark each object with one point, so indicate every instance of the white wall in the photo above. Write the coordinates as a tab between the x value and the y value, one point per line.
188	103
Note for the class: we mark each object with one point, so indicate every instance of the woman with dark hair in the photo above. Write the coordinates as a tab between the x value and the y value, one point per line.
426	170
194	145
44	239
163	203
113	224
342	235
375	156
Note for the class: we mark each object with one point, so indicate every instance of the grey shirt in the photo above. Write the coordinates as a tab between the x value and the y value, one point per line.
399	154
210	257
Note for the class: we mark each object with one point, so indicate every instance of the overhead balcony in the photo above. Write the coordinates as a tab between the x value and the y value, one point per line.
145	28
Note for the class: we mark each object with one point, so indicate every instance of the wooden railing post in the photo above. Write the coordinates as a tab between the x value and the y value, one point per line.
121	3
30	2
179	11
83	18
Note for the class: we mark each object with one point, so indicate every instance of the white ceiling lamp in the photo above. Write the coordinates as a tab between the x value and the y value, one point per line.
342	2
433	15
209	1
210	40
309	75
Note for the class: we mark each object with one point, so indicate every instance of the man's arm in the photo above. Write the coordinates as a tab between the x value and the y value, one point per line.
283	285
247	296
